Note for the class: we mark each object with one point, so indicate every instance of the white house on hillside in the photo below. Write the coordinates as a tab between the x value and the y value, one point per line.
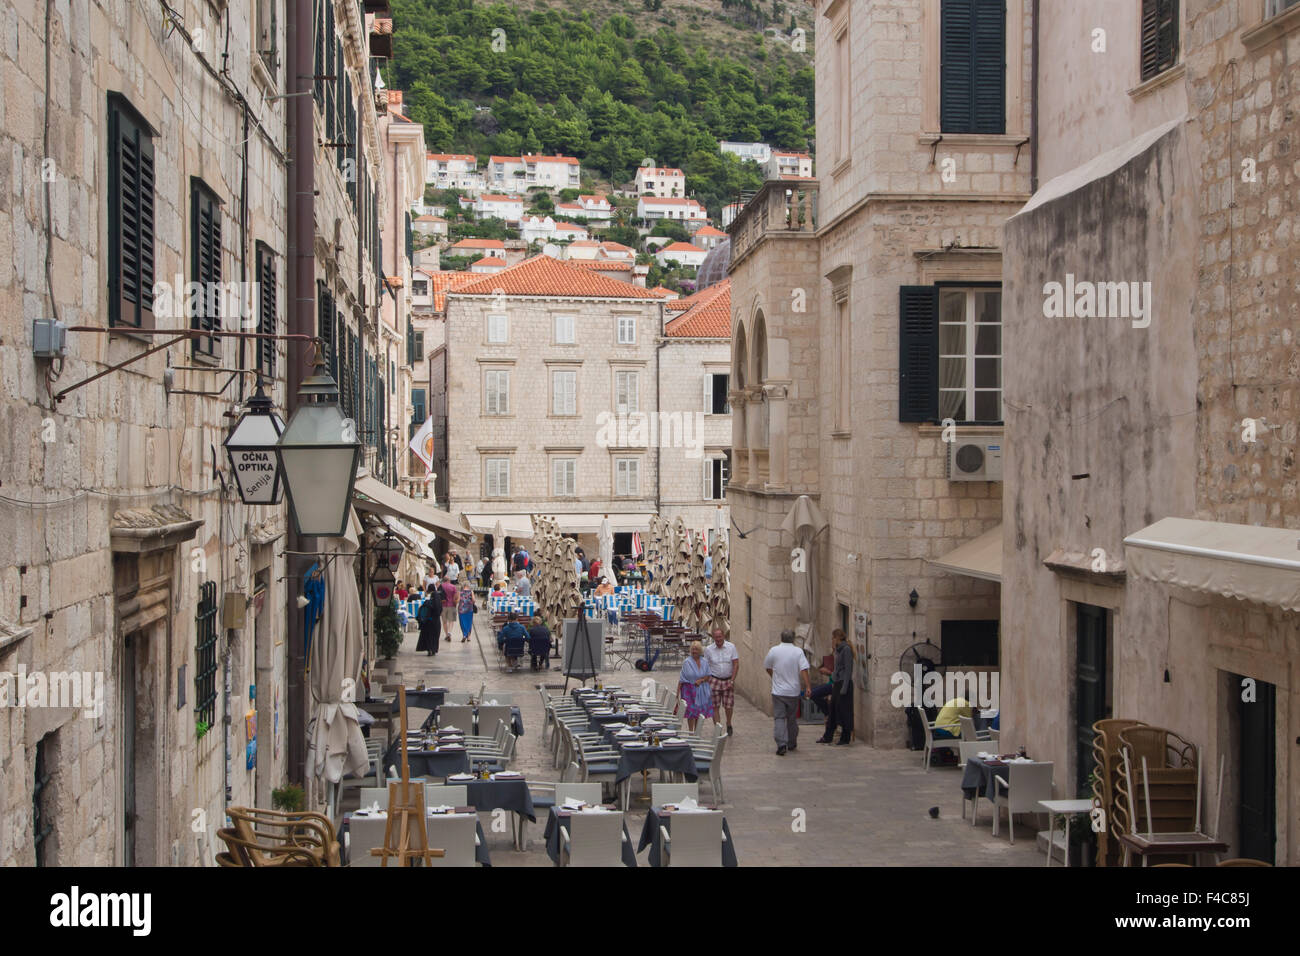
683	253
451	171
499	206
652	208
660	181
784	164
758	152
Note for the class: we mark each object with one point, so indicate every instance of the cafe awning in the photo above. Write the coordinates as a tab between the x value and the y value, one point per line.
376	497
1235	560
590	523
512	526
980	557
414	542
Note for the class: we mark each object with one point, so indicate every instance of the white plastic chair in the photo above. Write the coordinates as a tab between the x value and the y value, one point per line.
488	716
447	795
365	834
1027	783
695	840
969	749
501	697
372	795
456	835
968	731
661	793
592	838
460	716
931	745
713	773
588	793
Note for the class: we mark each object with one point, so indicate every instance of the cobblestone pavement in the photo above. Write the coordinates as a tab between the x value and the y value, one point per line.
861	806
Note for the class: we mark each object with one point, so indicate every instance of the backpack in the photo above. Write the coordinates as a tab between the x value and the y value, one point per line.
428	611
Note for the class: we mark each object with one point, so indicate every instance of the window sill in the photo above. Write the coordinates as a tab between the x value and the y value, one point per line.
974	140
132	333
203	358
1160	79
264	77
841	434
841	166
963	430
1274	28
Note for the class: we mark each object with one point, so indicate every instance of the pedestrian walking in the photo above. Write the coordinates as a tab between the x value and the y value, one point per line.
465	607
693	686
840	710
724	665
787	665
449	597
430	620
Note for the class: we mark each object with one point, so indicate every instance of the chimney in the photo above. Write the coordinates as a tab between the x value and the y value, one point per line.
395	99
639	274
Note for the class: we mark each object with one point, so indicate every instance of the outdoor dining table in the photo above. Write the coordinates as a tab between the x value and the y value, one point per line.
658	817
633	760
516	722
488	795
426	699
481	854
428	763
557	816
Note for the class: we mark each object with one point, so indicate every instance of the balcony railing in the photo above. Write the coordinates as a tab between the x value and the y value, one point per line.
781	207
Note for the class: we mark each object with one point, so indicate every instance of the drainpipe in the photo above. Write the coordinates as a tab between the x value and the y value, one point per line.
300	275
659	444
1033	104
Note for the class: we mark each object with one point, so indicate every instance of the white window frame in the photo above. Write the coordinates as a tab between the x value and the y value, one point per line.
1275	8
628	323
568	323
501	391
708	477
564	477
969	356
627	477
562	404
501	480
709	408
631	391
498	321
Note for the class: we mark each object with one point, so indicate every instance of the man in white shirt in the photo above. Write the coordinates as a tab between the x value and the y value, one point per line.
787	665
724	665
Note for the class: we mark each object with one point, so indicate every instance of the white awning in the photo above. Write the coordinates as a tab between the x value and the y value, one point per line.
978	558
512	526
590	523
1236	560
414	542
376	497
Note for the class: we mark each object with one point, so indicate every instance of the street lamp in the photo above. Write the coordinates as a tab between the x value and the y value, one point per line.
251	449
381	585
318	455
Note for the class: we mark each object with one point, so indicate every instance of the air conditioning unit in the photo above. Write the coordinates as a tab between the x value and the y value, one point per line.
975	459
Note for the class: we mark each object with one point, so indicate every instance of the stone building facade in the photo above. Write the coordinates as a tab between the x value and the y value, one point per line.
1135	440
837	287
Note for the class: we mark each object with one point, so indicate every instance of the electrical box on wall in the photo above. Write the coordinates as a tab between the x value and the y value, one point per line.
49	338
232	610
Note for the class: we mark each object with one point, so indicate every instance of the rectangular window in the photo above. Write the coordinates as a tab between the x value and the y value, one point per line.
970	355
205	267
496	385
130	216
716	473
43	803
564	477
420	287
844	358
564	392
564	332
497	478
1277	6
205	655
267	322
266	34
498	328
417	407
844	97
715	394
626	398
972	70
627	330
627	477
1159	36
417	345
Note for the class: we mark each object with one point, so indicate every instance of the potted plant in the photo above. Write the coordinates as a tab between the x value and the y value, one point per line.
289	798
388	632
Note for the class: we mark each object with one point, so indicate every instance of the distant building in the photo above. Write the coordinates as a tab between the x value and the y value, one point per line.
429	225
683	253
488	265
451	171
706	237
517	174
729	213
595	207
758	152
475	247
651	208
660	181
784	164
499	206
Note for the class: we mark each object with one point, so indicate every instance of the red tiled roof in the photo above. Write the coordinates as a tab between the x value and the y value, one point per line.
504	159
658	171
583	243
680	247
708	318
472	243
531	158
686	301
616	246
672	200
791	155
429	219
710	231
596	198
444	157
498	197
441	282
602	265
544	276
489	261
561	224
663	292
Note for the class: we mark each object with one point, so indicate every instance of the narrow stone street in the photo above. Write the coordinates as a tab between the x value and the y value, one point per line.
861	806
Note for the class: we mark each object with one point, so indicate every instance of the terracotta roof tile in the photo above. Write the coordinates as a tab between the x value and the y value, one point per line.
709	231
708	318
440	282
544	276
601	265
472	243
663	292
680	247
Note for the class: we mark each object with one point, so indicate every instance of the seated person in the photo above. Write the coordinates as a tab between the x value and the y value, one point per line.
511	629
948	724
515	638
821	694
523	585
539	644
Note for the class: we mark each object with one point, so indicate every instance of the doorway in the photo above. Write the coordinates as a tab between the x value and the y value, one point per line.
1256	743
1091	684
139	753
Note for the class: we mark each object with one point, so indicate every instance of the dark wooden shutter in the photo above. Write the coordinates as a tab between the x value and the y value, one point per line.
205	267
972	66
131	212
267	322
325	327
918	353
318	83
1159	36
410	240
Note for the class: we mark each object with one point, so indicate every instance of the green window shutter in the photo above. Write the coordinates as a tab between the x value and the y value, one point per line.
972	65
267	323
1159	49
918	353
410	240
205	267
131	247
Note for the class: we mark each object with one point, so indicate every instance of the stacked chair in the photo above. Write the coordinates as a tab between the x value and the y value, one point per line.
273	838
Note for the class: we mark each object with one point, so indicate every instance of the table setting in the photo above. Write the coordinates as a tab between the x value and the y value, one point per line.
663	816
367	825
570	806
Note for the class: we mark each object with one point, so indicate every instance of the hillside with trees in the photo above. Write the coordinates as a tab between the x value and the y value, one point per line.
610	83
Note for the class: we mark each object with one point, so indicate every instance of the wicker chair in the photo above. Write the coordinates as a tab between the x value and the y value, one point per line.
270	837
1105	781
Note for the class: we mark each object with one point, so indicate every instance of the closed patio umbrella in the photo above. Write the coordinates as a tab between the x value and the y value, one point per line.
606	538
719	588
699	586
336	745
804	523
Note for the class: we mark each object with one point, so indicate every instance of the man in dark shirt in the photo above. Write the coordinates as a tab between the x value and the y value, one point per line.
539	644
511	639
841	704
